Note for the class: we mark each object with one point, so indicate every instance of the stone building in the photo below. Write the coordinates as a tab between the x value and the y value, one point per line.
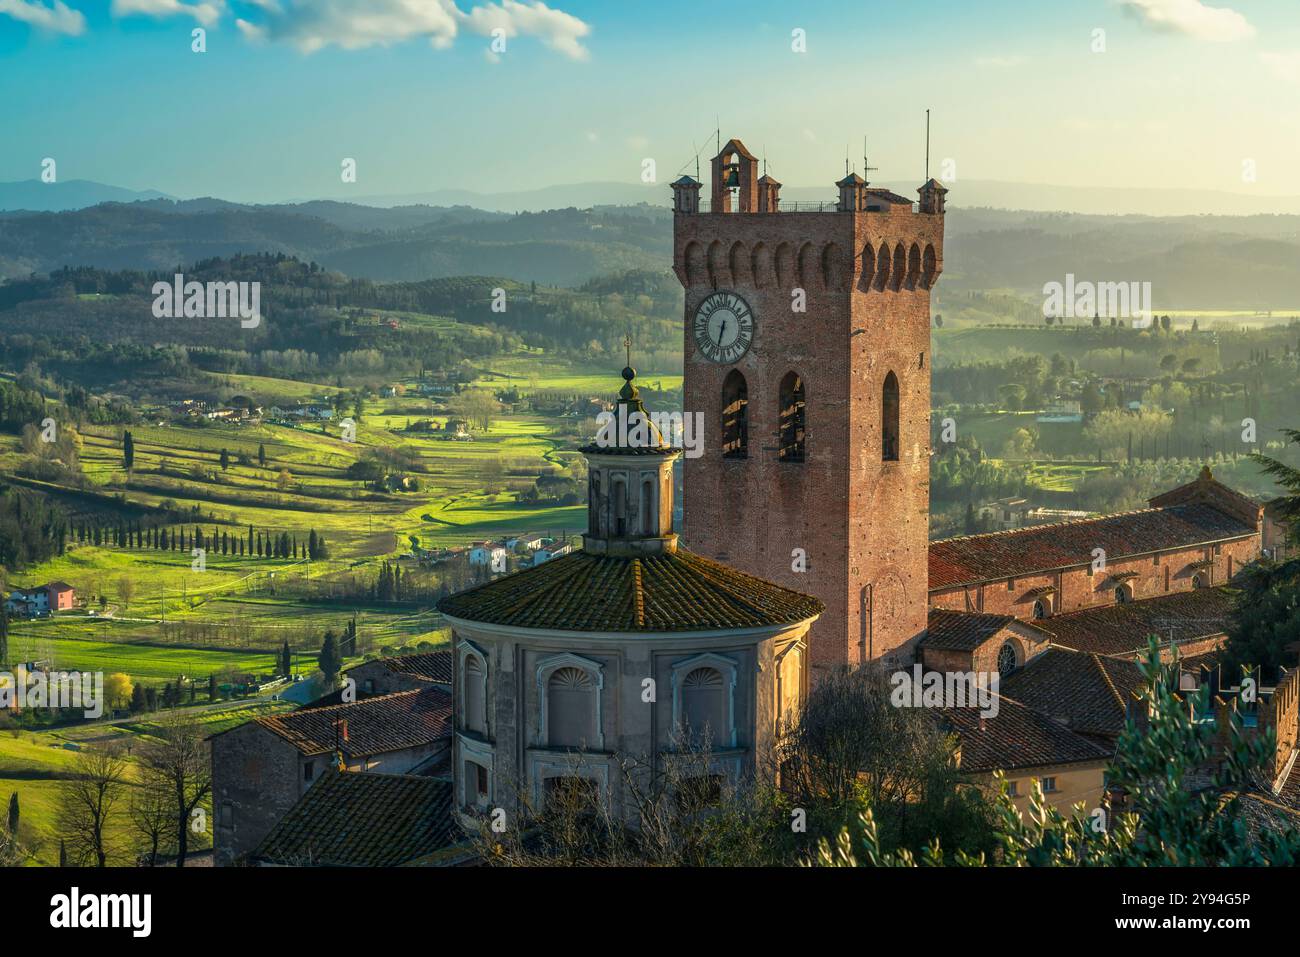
807	350
631	648
1194	536
263	768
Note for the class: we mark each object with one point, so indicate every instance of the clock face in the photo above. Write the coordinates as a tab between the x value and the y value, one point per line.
724	327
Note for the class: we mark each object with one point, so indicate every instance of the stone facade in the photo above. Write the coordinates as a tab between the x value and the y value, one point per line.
257	777
511	740
857	503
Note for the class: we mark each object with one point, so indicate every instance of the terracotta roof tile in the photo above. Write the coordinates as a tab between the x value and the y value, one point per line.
1089	692
391	722
1123	628
965	630
434	666
1017	737
996	555
679	591
353	819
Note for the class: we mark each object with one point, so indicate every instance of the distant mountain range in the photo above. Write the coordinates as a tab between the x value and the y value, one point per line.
1205	262
36	196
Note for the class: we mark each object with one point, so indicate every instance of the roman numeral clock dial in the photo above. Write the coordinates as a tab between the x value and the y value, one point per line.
723	327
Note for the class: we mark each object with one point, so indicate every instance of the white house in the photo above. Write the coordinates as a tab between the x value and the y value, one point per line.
486	553
549	552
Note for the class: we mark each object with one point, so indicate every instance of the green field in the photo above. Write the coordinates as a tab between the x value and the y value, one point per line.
33	763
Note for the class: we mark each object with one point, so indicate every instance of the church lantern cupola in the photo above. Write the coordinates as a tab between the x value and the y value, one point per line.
629	481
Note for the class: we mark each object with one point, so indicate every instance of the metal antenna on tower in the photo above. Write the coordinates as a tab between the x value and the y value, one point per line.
927	146
866	169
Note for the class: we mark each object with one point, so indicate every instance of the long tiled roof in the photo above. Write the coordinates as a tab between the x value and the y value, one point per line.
965	630
434	666
353	819
678	591
1122	628
996	555
391	722
1017	737
1089	692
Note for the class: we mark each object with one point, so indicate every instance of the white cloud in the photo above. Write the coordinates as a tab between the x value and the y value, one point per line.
311	25
1191	18
204	12
1283	66
57	17
560	31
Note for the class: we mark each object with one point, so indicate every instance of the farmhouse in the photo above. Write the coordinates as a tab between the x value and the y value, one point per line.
40	601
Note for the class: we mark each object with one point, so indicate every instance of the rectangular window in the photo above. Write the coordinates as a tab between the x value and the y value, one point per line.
1049	785
1013	788
227	815
309	770
1011	584
1155	560
481	780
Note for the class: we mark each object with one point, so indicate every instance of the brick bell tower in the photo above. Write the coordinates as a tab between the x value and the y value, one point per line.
808	354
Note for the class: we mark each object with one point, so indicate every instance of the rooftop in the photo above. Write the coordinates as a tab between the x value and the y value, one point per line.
1089	692
965	630
391	722
1123	628
999	555
674	591
434	666
351	819
1017	737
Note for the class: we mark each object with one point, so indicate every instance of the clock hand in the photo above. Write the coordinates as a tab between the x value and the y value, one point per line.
722	331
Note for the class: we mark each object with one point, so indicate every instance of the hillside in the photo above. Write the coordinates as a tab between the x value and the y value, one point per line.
1192	262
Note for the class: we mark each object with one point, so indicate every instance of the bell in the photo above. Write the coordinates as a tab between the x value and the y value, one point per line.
733	175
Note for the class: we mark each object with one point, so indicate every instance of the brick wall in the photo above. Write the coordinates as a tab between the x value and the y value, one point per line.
1162	574
862	523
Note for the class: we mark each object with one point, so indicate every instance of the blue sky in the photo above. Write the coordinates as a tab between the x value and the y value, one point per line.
1183	95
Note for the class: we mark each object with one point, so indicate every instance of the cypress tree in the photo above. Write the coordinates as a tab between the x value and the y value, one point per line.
329	660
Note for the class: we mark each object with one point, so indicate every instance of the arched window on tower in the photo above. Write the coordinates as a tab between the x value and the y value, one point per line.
735	416
889	419
593	497
791	446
